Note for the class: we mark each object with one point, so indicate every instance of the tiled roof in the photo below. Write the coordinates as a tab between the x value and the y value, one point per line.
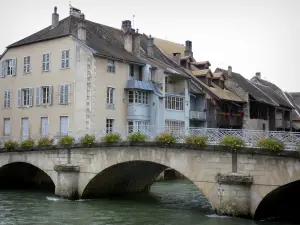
248	86
105	41
200	72
294	98
168	47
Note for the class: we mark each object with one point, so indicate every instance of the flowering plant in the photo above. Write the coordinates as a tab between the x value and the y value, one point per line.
270	143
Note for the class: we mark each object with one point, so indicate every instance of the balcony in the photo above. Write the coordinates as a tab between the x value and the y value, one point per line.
198	115
229	121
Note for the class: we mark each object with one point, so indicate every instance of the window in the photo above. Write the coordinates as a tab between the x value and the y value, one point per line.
65	59
46	62
44	126
25	97
174	102
134	126
110	95
209	82
25	128
6	130
43	95
131	71
141	97
64	92
111	66
9	67
26	68
166	84
109	125
175	126
7	98
222	84
64	125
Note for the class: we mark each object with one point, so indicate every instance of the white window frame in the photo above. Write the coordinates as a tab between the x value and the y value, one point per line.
65	59
46	62
44	130
47	97
60	130
138	125
9	67
7	98
138	97
64	94
110	97
27	64
6	130
27	134
173	102
111	66
175	126
109	125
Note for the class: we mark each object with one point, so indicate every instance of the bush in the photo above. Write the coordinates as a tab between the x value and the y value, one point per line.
196	140
137	137
112	138
66	141
271	144
165	138
45	142
232	142
88	140
29	143
10	145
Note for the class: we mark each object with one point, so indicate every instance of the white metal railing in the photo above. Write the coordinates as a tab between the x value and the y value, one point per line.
290	139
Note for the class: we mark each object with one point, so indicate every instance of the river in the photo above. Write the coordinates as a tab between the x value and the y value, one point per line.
168	203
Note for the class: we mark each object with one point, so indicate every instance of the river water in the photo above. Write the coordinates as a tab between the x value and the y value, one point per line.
168	203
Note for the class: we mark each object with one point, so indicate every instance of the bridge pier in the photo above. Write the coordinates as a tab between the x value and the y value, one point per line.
233	195
67	181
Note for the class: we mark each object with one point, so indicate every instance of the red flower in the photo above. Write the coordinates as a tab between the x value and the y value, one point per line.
228	114
242	113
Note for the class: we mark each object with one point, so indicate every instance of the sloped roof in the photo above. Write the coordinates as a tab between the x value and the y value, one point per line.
200	72
248	86
169	47
105	41
277	94
294	98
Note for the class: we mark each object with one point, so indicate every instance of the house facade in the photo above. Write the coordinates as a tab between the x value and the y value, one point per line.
77	75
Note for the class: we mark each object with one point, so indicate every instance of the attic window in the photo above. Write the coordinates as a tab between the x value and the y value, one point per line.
222	84
208	81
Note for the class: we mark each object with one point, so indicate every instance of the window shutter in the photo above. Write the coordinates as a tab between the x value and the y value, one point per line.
50	95
49	61
37	95
61	94
14	68
5	97
3	68
30	96
9	98
19	97
66	94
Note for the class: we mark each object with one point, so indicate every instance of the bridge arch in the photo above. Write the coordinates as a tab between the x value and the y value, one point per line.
21	175
281	203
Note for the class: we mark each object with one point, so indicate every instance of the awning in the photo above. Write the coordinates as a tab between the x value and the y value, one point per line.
144	85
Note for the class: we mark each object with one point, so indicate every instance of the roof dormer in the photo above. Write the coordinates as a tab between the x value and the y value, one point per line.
202	65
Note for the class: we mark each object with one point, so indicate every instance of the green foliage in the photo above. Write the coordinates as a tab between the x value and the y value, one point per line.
112	138
165	138
271	144
10	145
29	143
196	140
66	141
232	142
137	137
88	140
45	142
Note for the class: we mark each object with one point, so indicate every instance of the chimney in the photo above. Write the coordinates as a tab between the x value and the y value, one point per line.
177	57
55	18
136	42
229	71
188	49
75	12
81	31
150	46
126	25
258	75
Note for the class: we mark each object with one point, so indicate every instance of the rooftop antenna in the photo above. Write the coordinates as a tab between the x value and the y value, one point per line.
133	16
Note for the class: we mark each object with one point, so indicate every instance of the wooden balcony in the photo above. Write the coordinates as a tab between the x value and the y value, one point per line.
229	121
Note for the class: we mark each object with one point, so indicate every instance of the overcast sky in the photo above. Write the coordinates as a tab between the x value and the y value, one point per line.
250	35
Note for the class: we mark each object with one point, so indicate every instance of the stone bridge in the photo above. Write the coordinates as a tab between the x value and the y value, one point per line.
249	182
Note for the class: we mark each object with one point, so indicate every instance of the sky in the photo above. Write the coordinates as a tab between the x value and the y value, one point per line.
249	35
